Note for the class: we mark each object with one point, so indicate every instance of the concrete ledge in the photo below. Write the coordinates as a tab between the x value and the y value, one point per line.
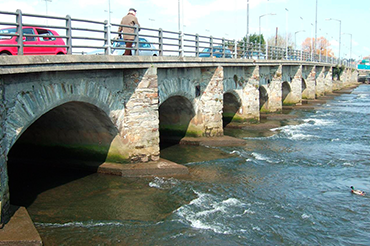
20	230
33	64
161	168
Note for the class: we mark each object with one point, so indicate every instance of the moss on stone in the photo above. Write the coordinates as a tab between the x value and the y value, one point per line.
83	152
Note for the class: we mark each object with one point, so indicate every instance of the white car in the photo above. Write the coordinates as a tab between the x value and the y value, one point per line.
145	48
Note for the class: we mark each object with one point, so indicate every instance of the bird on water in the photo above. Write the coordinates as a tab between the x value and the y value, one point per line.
357	192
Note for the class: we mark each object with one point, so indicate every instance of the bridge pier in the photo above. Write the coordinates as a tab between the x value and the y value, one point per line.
348	76
328	80
271	81
139	131
4	189
308	82
321	74
292	85
190	101
242	82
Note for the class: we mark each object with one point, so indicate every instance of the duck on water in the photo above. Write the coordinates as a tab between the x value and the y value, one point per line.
357	192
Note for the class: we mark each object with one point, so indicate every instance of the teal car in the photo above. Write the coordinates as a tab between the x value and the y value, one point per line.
218	52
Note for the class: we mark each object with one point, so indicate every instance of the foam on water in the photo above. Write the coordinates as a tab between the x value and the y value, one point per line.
162	183
86	224
208	213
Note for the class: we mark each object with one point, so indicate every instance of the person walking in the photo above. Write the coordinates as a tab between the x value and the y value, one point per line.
129	20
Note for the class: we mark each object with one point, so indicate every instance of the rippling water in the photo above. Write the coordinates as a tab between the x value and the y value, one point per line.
291	188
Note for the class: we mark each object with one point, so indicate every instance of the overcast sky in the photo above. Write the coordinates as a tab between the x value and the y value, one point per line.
227	18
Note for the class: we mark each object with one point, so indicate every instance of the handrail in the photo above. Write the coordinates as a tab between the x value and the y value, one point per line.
81	35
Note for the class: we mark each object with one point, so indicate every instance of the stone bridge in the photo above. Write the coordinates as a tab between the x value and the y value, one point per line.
118	109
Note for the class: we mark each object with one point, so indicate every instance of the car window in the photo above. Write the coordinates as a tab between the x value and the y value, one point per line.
7	31
47	35
206	50
119	44
144	45
29	31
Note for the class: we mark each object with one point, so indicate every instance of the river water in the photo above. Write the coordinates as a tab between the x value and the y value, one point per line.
291	188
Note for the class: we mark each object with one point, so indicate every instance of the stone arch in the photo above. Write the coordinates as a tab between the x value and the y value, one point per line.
72	131
175	117
72	136
263	98
176	87
231	106
31	105
286	90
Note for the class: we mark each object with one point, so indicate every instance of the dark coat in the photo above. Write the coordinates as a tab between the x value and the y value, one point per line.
128	20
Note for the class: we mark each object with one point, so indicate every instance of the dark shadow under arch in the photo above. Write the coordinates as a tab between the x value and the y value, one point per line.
263	97
230	108
175	115
304	85
66	143
285	90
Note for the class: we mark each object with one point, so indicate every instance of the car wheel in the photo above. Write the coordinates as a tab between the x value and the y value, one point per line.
4	54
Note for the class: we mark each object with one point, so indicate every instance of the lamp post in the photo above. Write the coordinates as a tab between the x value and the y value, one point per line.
350	49
178	15
314	47
109	28
247	21
152	20
340	33
286	33
260	24
312	43
295	41
46	3
295	37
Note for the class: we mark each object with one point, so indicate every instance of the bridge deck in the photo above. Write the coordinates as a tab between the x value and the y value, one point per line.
27	64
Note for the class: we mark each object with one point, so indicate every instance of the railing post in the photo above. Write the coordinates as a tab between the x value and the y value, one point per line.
244	49
19	31
211	46
107	41
197	45
223	48
181	44
137	43
69	34
160	41
235	49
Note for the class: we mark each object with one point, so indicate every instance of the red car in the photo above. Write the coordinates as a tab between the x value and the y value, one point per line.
48	38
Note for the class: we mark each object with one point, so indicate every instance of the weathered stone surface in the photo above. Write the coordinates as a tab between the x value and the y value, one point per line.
20	231
161	168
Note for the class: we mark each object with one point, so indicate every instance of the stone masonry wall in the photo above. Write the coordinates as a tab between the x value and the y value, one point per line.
4	189
321	74
141	121
274	89
309	75
293	75
209	107
244	82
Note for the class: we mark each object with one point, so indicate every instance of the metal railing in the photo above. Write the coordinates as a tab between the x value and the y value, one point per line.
81	36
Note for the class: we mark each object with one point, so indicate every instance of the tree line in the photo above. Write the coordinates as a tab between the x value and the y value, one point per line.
320	46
